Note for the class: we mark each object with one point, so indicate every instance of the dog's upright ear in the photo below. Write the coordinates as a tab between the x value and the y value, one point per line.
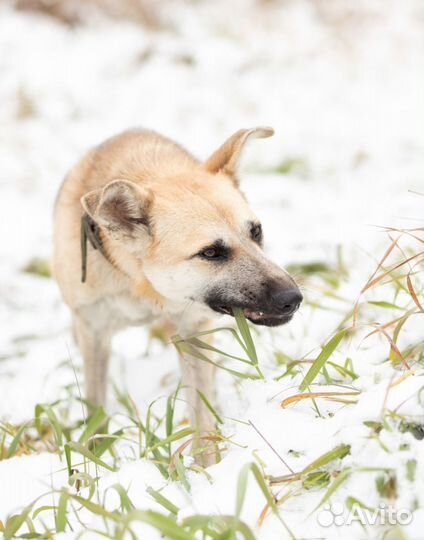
227	157
121	207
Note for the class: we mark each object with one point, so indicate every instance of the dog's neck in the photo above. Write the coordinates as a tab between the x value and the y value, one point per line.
181	314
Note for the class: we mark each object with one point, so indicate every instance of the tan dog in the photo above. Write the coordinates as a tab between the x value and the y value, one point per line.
164	236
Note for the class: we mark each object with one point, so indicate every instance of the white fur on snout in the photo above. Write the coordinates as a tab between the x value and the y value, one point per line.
179	283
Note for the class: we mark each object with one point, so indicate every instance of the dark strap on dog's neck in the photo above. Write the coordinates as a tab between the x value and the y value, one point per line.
90	231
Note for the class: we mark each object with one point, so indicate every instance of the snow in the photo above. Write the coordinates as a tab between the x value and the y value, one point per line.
345	97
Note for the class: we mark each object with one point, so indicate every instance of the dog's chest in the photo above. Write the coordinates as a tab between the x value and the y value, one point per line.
125	310
120	310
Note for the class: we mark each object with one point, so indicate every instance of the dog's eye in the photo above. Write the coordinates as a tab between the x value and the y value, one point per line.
256	233
217	252
210	253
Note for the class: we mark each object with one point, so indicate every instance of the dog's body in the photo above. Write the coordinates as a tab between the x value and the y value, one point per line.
176	242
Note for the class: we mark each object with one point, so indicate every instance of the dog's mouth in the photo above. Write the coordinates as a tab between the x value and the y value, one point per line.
256	316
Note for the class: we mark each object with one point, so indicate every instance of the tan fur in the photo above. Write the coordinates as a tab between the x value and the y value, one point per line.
156	206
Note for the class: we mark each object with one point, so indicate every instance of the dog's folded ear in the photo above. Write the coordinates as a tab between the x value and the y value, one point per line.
121	206
227	157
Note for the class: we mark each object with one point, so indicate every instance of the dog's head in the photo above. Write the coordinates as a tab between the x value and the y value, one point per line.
195	239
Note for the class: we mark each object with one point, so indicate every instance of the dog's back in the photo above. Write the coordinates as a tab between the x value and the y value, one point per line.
137	155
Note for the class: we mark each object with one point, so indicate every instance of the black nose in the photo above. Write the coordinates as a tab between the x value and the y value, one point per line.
287	301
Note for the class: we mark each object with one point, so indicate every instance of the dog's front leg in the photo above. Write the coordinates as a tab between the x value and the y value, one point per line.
198	378
94	343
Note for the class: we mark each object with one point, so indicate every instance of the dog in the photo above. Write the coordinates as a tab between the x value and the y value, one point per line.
144	232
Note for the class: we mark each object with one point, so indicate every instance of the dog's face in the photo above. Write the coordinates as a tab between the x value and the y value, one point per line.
197	240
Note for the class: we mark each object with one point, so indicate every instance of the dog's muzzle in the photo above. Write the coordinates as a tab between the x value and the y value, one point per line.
274	309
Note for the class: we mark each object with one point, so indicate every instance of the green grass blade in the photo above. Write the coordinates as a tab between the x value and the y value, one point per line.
232	331
242	488
343	370
210	407
181	472
244	330
166	525
385	305
324	355
339	452
68	459
81	449
163	501
95	423
40	509
105	442
60	518
97	509
16	439
126	503
184	347
174	437
53	419
340	479
222	527
14	523
198	343
317	479
170	408
264	487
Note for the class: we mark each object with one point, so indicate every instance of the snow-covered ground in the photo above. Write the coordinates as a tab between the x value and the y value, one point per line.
343	88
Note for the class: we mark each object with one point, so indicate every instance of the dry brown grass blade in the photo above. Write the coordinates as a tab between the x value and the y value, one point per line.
286	479
343	401
408	232
393	345
376	278
413	293
401	379
389	271
265	511
391	323
182	447
313	395
367	284
380	264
